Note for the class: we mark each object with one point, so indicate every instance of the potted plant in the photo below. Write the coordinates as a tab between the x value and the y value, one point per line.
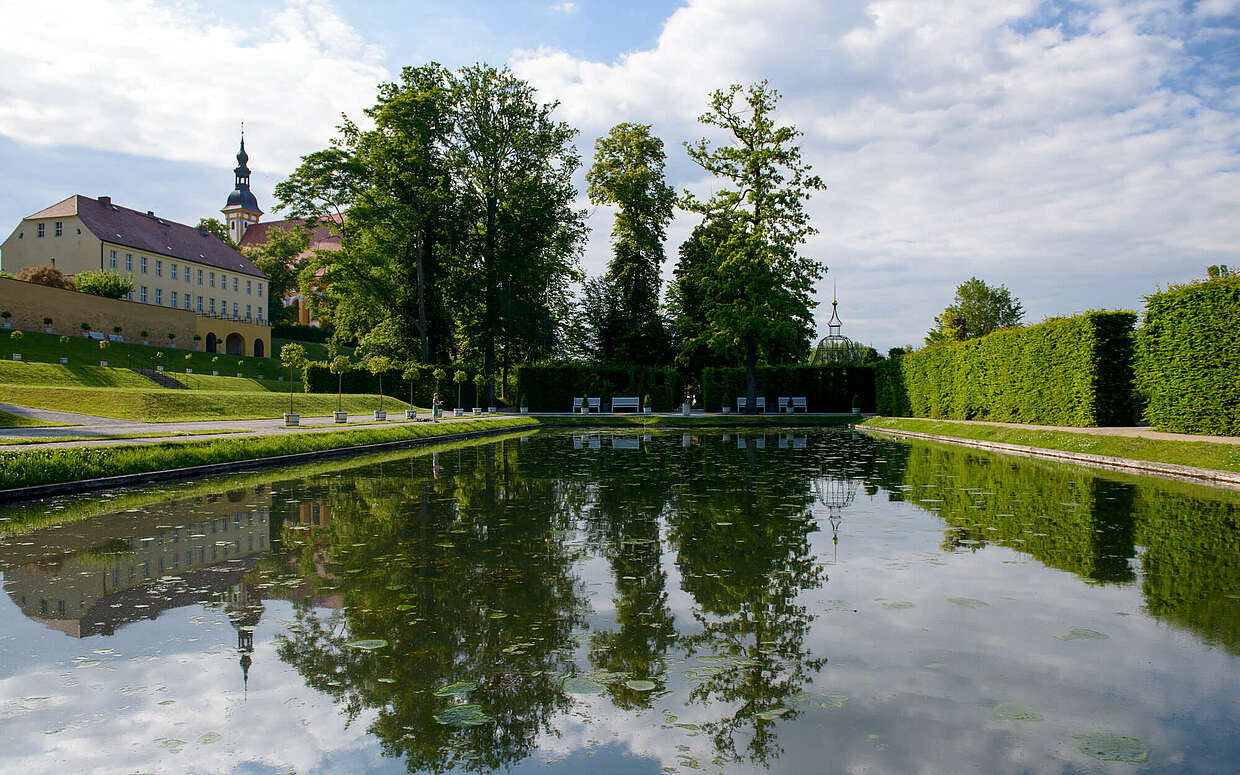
47	325
377	365
143	334
525	405
292	355
172	339
64	342
439	375
4	316
214	361
240	363
479	381
85	329
856	404
338	366
459	378
103	350
197	339
647	406
411	373
16	336
116	334
188	370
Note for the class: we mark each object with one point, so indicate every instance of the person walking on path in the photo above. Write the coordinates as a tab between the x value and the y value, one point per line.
436	403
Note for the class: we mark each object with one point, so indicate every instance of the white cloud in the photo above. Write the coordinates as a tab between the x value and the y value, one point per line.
1066	152
174	81
565	7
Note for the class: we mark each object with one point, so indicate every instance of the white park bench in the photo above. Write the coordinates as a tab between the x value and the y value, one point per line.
782	404
586	404
577	402
759	402
625	402
798	403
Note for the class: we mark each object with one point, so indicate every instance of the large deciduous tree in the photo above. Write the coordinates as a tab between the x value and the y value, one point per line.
628	173
977	310
281	257
754	289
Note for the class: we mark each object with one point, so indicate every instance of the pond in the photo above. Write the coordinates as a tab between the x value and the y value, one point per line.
799	601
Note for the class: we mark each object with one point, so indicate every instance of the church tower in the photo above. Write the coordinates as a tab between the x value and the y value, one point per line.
242	209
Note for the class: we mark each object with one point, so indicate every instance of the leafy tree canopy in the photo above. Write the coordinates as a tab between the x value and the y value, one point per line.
281	258
219	229
977	310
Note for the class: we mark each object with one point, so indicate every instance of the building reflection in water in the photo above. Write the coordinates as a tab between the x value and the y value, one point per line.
91	577
836	492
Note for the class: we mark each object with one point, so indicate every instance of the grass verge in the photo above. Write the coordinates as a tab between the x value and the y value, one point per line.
155	404
25	468
14	442
10	420
1201	454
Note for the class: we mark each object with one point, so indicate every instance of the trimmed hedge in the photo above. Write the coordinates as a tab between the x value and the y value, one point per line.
826	388
299	333
552	387
1188	363
1075	371
319	380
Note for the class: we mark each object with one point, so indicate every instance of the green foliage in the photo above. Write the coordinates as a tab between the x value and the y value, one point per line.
1189	357
299	333
755	290
552	387
219	229
16	336
826	388
293	355
281	259
319	378
1074	371
106	284
977	310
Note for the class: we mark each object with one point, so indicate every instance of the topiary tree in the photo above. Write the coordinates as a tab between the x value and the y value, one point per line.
16	336
106	284
64	342
411	374
116	330
143	334
103	349
85	328
376	365
338	366
172	337
47	322
5	315
292	355
479	382
459	378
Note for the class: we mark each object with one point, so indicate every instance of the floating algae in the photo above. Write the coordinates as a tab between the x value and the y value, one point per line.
773	713
1015	712
209	738
1082	633
967	602
640	685
1111	747
463	716
367	645
900	606
815	700
457	689
576	684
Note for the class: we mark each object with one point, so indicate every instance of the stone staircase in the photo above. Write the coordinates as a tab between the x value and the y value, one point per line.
161	379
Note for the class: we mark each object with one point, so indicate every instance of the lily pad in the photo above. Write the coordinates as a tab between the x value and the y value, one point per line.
577	684
967	602
1015	712
815	700
773	713
1082	633
209	738
367	645
1111	747
641	685
463	716
457	689
899	606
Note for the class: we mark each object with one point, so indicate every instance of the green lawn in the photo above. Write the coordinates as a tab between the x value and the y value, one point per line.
114	436
1202	454
52	374
314	350
10	420
155	404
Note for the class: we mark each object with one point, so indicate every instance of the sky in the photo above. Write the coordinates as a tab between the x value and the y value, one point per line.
1083	154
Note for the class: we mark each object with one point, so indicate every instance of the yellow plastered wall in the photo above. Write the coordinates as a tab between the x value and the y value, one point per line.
227	335
75	250
30	303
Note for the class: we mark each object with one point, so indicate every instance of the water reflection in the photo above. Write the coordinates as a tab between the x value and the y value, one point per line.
475	607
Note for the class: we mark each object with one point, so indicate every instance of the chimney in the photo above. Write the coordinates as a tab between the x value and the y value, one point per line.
106	201
150	213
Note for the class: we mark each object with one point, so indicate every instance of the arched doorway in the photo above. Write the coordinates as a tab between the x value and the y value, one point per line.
234	344
212	343
258	349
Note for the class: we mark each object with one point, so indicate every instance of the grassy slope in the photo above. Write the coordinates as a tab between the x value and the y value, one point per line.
51	374
10	420
42	466
155	404
1202	454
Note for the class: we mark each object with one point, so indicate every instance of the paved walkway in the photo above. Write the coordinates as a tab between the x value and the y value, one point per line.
1134	430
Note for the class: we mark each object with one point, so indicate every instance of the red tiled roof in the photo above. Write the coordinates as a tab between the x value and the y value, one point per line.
322	236
151	234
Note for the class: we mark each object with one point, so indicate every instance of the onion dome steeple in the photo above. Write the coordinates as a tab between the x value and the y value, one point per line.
242	208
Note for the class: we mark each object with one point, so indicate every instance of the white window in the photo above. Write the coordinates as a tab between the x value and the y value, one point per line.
248	312
173	269
187	301
174	298
234	309
143	264
143	294
212	305
247	283
159	295
213	279
42	228
60	227
200	304
260	289
129	262
260	313
159	268
112	258
200	277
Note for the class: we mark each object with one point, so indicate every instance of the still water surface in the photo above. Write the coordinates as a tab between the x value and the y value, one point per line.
807	601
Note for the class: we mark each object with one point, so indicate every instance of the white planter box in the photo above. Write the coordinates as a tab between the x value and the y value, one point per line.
238	374
726	409
856	411
171	346
525	410
684	409
189	371
214	373
340	416
291	419
477	410
7	324
380	415
48	330
115	338
458	412
647	409
143	341
492	410
103	363
17	356
159	368
281	378
411	414
64	361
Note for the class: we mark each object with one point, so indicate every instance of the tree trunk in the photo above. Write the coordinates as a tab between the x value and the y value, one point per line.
751	375
422	332
490	321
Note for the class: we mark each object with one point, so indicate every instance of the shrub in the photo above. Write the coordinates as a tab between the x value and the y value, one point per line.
46	275
106	284
300	333
1188	364
826	388
552	387
1074	371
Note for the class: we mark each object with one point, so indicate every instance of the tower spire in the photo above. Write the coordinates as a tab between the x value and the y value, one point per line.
242	208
